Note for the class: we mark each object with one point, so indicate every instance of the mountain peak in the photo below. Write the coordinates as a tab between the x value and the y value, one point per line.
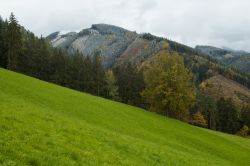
108	29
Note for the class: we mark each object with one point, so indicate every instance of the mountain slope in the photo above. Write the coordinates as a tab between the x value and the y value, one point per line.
115	44
219	53
44	124
109	40
238	59
119	46
219	86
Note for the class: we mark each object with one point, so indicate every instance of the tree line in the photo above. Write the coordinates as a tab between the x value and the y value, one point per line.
23	52
166	83
200	63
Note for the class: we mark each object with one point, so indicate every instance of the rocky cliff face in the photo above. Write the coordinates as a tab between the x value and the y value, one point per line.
115	44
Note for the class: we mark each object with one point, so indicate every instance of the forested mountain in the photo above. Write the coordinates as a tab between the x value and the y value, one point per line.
237	59
117	46
138	69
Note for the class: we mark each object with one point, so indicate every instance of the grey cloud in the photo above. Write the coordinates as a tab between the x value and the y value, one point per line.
192	22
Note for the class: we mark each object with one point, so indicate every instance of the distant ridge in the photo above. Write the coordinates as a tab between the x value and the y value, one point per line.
230	57
118	45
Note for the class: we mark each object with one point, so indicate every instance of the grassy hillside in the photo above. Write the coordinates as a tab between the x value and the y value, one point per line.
44	124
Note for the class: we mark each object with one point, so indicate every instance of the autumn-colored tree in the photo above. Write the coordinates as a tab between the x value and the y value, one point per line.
199	120
169	85
244	131
111	87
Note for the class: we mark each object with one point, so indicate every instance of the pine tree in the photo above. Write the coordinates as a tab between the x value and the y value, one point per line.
207	106
98	75
211	109
76	72
3	46
88	81
130	84
245	115
58	68
228	116
14	43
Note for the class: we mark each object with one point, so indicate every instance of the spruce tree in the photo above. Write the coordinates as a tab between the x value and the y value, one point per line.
98	75
228	116
3	46
245	115
87	82
130	84
14	43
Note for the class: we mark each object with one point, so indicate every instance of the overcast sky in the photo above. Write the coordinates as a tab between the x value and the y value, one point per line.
192	22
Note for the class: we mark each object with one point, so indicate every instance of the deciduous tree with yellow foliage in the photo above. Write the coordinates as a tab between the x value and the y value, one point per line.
169	87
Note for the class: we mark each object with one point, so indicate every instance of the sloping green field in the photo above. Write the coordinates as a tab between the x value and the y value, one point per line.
45	124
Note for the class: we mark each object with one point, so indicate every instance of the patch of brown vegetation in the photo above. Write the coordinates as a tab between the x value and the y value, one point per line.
134	50
219	86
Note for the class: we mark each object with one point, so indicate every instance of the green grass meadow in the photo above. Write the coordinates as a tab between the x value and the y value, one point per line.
45	124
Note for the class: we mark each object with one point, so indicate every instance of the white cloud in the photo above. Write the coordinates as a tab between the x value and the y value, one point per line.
213	22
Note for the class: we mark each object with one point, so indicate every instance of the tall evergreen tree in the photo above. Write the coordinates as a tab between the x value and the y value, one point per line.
87	82
14	43
245	115
207	106
58	68
3	46
75	71
42	59
130	84
212	113
228	116
98	76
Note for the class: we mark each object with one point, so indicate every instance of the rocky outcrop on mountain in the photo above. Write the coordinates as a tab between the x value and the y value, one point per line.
115	44
110	41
